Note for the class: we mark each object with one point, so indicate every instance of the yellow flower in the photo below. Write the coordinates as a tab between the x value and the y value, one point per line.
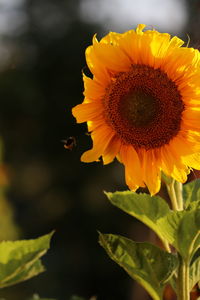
143	105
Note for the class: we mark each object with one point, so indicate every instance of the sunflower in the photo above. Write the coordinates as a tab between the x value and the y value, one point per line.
143	105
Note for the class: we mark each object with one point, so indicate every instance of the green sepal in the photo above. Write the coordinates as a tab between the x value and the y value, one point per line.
20	260
147	264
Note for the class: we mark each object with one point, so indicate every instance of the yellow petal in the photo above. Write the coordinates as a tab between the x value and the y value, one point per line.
192	161
133	172
140	28
191	118
96	67
112	57
182	146
87	111
180	63
172	166
129	43
93	89
101	138
111	38
111	150
151	171
154	47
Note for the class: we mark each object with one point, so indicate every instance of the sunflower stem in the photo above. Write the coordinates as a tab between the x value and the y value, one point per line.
179	194
174	189
172	194
183	280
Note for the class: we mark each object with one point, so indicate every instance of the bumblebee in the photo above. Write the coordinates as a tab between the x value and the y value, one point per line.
69	143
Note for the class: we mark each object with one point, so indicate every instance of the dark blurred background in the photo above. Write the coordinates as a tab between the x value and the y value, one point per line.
42	45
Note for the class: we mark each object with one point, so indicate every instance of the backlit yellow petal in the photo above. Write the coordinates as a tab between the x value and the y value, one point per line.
101	138
111	150
151	171
172	166
87	111
93	89
112	57
140	28
96	67
192	160
133	171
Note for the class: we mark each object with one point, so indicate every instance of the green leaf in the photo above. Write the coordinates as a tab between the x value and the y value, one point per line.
169	225
193	205
188	235
194	273
20	260
148	209
144	262
182	228
35	269
191	192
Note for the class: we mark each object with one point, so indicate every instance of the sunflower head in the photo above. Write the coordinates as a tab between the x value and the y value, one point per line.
143	105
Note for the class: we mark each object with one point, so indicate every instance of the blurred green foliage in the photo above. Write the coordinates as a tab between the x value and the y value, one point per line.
8	227
37	297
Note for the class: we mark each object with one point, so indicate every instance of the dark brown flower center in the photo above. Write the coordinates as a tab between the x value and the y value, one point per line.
144	107
138	108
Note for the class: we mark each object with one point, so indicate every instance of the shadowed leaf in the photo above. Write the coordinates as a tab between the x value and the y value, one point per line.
188	236
191	192
147	264
194	273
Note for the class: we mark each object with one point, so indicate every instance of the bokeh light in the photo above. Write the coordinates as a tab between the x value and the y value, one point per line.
120	15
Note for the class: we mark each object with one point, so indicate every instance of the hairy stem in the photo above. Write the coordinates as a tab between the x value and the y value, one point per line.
183	281
179	194
172	194
174	189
